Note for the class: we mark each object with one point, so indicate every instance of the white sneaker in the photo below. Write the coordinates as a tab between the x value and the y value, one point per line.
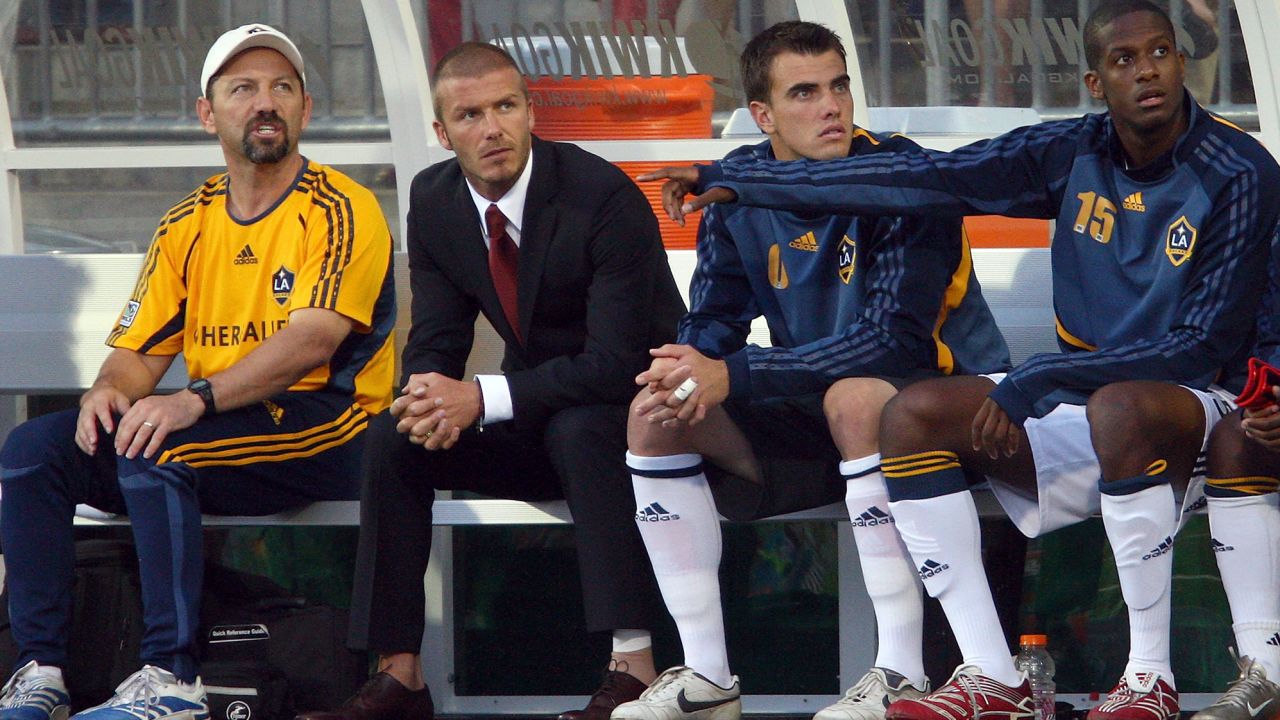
33	695
870	696
680	693
152	694
1249	697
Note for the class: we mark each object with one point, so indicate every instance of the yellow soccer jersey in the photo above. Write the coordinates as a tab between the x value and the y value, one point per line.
213	287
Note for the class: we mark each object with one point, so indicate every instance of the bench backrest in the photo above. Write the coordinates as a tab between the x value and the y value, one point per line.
56	310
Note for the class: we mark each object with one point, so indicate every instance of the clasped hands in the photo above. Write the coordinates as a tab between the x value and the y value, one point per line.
434	409
672	367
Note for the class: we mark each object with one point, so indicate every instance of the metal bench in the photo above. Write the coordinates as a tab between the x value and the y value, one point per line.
55	311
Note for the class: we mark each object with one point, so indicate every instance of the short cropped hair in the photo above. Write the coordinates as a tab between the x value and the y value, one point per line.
796	36
472	59
1106	12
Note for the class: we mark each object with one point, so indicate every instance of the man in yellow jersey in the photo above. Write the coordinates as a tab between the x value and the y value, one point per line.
274	281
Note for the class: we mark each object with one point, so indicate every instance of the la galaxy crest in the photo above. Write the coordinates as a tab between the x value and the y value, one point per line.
847	257
1180	241
282	285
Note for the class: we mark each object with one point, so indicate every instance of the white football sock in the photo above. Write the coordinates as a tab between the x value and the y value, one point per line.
1140	527
945	542
681	530
1246	533
887	570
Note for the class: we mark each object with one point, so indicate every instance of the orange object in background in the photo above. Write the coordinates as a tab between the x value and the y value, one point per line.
674	237
622	108
994	231
629	108
985	231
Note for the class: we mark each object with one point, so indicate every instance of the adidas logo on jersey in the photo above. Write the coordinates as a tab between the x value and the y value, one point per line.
655	513
276	412
1219	547
246	256
871	517
1134	203
807	242
931	568
1164	547
1274	639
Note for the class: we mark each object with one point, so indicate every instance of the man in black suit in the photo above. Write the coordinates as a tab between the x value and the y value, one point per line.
561	252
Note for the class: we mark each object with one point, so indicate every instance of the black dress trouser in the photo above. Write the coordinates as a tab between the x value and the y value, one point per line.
578	455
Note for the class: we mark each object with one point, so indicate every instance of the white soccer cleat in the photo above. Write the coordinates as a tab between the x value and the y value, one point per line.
871	696
679	693
1252	696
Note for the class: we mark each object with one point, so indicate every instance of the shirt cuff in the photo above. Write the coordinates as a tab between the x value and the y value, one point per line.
709	175
1012	400
497	398
739	366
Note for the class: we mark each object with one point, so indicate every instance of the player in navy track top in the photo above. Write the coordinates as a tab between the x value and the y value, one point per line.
1244	519
858	307
1159	256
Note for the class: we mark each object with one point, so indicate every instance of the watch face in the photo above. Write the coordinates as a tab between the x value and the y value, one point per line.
202	388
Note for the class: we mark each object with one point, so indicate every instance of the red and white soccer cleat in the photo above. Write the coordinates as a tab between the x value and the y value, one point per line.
969	695
1138	696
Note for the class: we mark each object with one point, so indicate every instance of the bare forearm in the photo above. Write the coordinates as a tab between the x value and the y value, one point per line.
282	360
131	373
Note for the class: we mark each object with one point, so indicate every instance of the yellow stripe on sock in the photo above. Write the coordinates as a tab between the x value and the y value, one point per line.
1249	485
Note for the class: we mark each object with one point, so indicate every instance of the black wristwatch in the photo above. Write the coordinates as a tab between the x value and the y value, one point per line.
201	387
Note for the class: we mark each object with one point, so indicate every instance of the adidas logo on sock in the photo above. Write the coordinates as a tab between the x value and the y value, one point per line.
1274	639
1219	547
1163	548
931	568
1201	502
871	517
655	513
246	257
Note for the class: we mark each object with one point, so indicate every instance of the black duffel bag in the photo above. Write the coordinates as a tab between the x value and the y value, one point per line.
246	690
305	641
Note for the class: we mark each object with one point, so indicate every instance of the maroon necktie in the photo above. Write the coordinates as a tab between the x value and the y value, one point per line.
504	265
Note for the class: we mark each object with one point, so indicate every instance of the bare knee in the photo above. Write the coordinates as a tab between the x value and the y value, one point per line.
932	415
1228	448
852	407
651	439
1232	454
1135	423
1120	408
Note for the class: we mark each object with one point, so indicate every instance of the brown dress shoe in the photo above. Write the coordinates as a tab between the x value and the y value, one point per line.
617	688
382	698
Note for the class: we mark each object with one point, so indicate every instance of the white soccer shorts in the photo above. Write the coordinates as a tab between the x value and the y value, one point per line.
1067	471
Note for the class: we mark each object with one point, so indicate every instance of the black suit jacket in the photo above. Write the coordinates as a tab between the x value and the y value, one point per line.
595	288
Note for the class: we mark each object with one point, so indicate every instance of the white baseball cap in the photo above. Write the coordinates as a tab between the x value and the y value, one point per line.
234	42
